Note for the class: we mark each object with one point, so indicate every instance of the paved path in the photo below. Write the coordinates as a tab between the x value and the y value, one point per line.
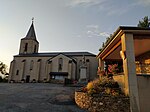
37	97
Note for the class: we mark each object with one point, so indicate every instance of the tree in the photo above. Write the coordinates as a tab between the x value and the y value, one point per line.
3	68
145	22
104	43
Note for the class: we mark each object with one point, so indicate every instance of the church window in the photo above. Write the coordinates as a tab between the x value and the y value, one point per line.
87	60
23	60
17	72
70	61
35	49
60	64
49	62
38	60
26	47
31	65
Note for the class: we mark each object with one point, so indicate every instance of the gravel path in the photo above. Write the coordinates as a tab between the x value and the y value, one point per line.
37	97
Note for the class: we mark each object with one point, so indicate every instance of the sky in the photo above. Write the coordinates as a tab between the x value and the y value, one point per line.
65	25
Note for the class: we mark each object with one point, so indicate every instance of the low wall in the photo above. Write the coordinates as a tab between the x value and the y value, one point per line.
144	92
102	103
120	80
143	88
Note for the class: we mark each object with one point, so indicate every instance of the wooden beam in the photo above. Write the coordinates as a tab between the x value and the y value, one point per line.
119	43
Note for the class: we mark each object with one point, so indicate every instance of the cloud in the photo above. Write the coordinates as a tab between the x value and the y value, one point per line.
144	2
97	34
94	31
109	7
91	33
106	6
104	34
85	2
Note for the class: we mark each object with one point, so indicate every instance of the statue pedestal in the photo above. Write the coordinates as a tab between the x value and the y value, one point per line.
83	74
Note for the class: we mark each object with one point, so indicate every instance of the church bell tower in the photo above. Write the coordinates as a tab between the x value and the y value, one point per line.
29	43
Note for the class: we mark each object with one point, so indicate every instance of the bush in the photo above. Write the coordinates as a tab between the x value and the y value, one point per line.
105	86
90	86
5	80
1	79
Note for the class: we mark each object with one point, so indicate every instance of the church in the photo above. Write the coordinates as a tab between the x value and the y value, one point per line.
31	66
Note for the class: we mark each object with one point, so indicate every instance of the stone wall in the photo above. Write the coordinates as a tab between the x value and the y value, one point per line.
99	103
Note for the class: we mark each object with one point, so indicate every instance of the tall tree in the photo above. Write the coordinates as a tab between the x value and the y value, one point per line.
145	22
3	68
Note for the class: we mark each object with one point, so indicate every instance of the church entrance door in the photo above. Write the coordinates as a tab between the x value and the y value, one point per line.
27	78
58	75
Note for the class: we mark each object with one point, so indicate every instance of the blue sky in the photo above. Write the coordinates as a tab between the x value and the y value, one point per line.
65	25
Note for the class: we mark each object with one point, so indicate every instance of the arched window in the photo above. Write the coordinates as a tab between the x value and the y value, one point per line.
87	60
31	64
26	47
60	64
70	61
35	49
17	72
39	60
23	60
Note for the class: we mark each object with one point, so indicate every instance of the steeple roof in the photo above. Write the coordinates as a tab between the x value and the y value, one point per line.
31	33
